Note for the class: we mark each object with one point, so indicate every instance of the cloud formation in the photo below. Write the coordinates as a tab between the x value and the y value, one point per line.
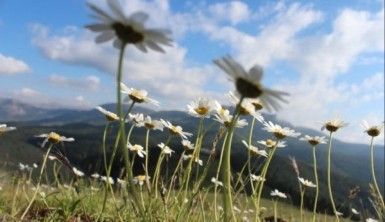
90	82
11	66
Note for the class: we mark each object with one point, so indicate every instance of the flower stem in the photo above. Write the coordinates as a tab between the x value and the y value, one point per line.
301	204
38	183
329	178
146	160
374	174
123	142
317	184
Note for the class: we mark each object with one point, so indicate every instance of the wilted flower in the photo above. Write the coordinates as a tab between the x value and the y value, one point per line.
187	145
136	95
256	178
314	140
202	107
333	125
138	149
140	179
279	132
372	131
248	84
77	172
175	130
255	149
216	182
4	128
109	180
110	116
278	194
54	138
306	183
127	30
246	107
272	143
165	149
354	211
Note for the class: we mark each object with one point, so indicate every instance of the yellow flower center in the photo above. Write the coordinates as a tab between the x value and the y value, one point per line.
149	125
127	34
279	135
136	98
54	137
257	106
248	89
270	143
111	117
201	110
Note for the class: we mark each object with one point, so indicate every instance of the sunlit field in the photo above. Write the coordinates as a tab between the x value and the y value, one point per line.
213	161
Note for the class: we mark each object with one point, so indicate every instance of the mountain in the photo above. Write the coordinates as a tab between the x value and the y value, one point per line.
350	161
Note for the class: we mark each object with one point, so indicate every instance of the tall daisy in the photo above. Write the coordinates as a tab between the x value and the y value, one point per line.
123	29
333	125
248	84
175	130
138	149
54	138
202	107
110	116
246	107
280	132
137	95
254	150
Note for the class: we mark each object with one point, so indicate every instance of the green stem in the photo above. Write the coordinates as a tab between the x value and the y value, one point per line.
275	202
329	177
217	177
374	174
146	159
226	166
38	183
301	204
317	184
123	142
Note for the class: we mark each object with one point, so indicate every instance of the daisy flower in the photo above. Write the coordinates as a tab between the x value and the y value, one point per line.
187	145
25	167
257	103
277	193
256	178
372	131
51	157
110	116
272	143
152	124
54	138
278	131
339	213
121	182
165	149
246	107
124	29
314	140
371	220
136	118
4	128
110	180
248	84
140	179
255	149
138	149
333	125
223	116
137	95
175	130
216	182
95	175
202	107
306	183
77	172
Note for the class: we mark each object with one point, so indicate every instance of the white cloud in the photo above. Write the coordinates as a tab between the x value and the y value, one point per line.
234	11
11	66
88	83
28	92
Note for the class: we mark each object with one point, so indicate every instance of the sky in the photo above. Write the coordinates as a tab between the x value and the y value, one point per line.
329	55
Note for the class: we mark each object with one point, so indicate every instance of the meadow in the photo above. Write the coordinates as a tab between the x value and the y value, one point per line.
137	179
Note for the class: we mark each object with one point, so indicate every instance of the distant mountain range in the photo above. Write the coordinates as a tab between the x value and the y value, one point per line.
350	161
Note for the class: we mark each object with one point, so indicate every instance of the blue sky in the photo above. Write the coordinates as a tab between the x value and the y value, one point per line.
329	55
